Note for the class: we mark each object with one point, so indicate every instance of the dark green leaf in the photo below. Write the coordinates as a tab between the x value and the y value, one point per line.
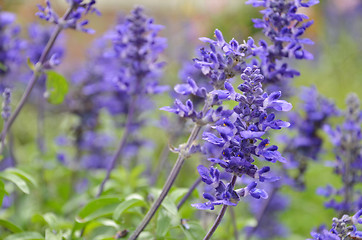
57	87
10	226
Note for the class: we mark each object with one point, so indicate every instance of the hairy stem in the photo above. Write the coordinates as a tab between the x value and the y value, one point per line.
220	216
188	194
172	176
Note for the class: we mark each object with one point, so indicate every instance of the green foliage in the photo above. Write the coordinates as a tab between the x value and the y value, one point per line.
10	226
131	201
25	236
97	208
20	178
57	87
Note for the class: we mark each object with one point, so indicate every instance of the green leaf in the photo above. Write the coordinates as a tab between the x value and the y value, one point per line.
10	226
2	191
48	218
3	67
178	193
30	64
170	206
163	224
27	177
97	208
194	231
25	236
57	87
125	205
18	181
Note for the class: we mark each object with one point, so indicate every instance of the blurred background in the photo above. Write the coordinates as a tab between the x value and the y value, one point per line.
337	32
336	69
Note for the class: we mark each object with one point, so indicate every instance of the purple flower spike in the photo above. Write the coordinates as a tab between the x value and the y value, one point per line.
75	18
240	133
284	26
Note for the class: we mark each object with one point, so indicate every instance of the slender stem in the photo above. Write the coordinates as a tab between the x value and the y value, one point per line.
262	213
169	182
173	174
187	195
220	216
233	220
34	78
122	144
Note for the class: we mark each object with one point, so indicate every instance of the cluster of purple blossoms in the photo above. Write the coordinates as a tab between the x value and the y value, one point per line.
284	27
347	141
74	18
137	47
10	48
239	138
307	143
38	38
220	63
304	146
122	73
342	229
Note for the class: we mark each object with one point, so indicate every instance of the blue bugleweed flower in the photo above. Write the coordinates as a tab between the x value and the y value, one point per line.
347	141
10	48
238	136
342	229
284	26
80	8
